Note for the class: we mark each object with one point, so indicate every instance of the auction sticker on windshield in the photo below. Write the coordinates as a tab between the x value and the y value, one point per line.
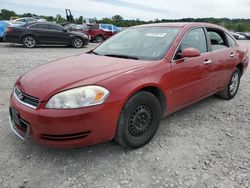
155	34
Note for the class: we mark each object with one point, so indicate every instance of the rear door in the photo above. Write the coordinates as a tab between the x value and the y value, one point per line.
42	32
189	77
223	57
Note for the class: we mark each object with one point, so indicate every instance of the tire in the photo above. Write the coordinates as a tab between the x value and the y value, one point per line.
99	39
232	87
77	42
139	120
29	41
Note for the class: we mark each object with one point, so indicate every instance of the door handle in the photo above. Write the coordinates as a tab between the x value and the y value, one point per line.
207	62
232	54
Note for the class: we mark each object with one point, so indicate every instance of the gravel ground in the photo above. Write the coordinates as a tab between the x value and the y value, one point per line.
204	145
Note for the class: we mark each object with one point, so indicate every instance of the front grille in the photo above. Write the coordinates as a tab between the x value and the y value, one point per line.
26	99
66	136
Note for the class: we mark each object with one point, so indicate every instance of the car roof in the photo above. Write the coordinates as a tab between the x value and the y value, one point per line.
182	24
49	23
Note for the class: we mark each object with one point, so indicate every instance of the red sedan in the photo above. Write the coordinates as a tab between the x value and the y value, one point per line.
121	89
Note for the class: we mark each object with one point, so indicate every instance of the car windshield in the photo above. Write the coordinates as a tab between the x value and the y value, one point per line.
144	43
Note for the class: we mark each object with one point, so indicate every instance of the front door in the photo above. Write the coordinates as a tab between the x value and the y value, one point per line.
59	35
189	76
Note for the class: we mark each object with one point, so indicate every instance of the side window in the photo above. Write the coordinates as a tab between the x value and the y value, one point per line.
231	41
56	28
43	26
106	27
217	39
195	39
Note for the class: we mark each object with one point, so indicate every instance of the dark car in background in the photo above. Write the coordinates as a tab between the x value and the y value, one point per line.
100	32
247	35
36	33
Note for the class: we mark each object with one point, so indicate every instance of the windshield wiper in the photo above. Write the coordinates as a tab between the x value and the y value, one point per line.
122	56
92	52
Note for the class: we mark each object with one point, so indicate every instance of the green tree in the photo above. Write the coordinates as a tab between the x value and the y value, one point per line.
79	20
117	18
6	14
60	19
240	27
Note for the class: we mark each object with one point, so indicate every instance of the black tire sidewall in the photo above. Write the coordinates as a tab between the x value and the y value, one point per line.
230	96
144	99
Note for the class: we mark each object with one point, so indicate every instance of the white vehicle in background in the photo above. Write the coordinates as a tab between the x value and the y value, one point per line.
27	20
89	21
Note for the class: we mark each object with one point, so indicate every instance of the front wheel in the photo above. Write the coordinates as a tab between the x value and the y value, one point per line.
233	86
77	42
139	120
29	41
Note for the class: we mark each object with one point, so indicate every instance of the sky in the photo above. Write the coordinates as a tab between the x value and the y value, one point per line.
133	9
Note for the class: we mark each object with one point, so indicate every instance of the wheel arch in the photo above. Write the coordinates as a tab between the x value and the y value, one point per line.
241	68
153	89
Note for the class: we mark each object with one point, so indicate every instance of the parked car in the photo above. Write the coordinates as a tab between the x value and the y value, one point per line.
246	35
100	32
238	36
36	33
3	26
122	89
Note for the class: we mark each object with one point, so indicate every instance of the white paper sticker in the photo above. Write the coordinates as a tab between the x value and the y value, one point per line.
155	34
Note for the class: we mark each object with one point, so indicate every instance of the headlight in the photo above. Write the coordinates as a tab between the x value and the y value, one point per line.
78	97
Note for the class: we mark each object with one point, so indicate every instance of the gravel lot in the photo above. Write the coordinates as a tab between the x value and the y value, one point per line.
204	145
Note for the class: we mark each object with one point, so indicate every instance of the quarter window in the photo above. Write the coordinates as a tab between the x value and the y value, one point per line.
231	41
34	26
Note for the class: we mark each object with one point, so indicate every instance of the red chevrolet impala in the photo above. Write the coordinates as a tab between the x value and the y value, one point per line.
121	89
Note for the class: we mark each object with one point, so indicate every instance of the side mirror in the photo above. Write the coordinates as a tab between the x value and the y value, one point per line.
190	52
65	30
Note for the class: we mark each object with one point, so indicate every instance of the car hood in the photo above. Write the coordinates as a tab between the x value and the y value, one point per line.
75	71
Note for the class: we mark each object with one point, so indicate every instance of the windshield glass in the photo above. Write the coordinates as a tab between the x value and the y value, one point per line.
144	43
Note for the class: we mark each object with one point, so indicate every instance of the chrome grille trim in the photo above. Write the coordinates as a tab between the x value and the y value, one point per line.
33	100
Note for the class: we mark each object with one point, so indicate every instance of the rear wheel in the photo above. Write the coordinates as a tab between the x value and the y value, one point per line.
29	41
232	88
99	39
77	42
139	120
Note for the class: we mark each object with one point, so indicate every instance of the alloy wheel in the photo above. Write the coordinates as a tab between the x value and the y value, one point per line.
234	84
78	43
30	42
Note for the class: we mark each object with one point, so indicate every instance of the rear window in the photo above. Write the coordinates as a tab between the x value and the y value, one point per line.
106	27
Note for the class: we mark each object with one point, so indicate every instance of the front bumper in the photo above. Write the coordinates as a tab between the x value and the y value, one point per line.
67	128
